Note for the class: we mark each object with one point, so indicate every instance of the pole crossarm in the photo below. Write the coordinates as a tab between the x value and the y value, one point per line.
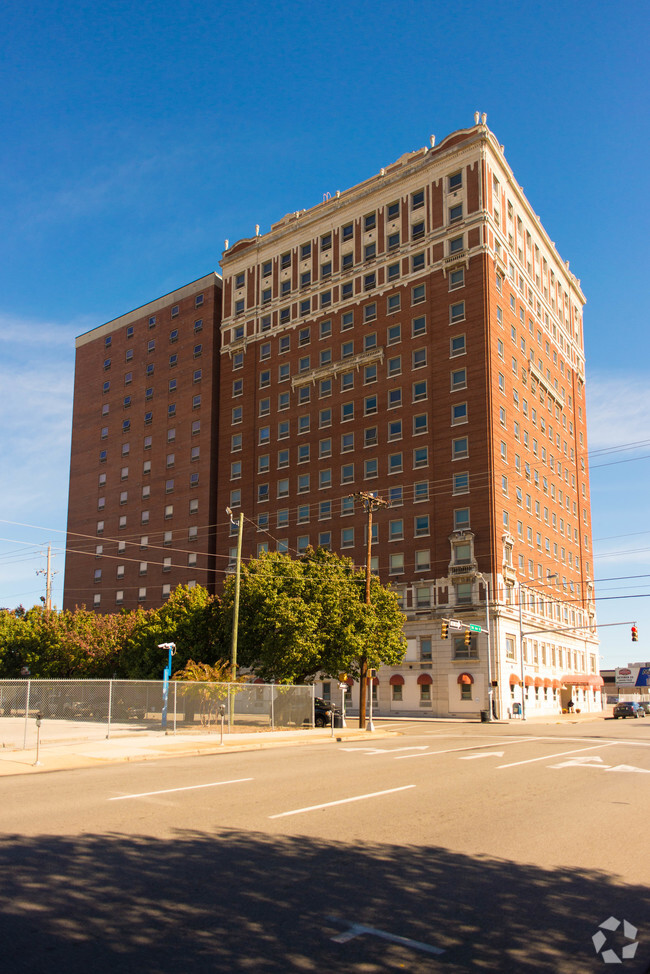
600	625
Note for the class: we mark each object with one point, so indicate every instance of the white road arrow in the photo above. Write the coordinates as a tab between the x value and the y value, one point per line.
593	761
629	767
385	750
487	754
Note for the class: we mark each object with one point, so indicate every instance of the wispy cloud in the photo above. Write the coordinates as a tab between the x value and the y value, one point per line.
618	407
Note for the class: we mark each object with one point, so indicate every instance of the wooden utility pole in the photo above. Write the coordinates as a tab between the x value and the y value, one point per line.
48	579
370	503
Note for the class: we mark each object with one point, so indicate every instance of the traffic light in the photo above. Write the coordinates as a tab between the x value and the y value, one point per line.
635	634
468	637
444	630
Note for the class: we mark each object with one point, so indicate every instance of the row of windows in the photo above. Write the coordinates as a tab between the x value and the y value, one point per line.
170	486
348	441
143	569
146	469
172	386
420	458
148	417
149	369
369	222
307	306
192	534
173	336
148	441
142	594
396	531
393	241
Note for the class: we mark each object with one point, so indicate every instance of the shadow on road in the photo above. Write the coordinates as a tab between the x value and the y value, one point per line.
234	901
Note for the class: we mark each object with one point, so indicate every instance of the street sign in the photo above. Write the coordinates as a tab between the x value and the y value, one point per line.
455	624
473	628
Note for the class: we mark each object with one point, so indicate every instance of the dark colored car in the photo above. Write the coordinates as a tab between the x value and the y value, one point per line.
645	706
628	709
324	713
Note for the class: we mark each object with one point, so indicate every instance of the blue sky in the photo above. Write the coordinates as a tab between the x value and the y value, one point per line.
139	135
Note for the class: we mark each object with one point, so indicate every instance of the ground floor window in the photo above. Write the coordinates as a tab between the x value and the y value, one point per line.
397	692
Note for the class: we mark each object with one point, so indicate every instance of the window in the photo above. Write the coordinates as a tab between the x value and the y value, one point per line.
370	436
417	199
459	448
457	312
395	463
418	294
396	564
457	346
461	523
459	413
457	278
370	469
370	312
417	230
421	457
419	358
369	405
394	397
421	526
419	391
456	213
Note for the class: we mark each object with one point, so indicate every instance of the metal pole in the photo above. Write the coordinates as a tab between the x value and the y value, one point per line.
110	702
370	726
521	654
272	707
38	739
489	648
175	697
26	714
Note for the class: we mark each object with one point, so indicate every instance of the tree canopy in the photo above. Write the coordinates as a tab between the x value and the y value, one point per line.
299	617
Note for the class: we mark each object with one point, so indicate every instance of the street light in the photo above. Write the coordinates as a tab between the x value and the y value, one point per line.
167	672
486	582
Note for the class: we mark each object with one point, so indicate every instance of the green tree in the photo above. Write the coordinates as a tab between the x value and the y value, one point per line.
299	617
189	618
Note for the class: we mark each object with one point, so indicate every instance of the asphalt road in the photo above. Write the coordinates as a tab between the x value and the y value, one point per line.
449	848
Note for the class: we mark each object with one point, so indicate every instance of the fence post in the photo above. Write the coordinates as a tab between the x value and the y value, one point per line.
110	701
272	707
26	714
175	688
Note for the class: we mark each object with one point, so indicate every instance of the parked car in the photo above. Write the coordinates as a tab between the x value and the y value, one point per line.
324	713
628	709
645	705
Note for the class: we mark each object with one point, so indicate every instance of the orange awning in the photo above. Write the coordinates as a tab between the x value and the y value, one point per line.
539	682
465	678
396	680
514	680
548	683
528	680
583	680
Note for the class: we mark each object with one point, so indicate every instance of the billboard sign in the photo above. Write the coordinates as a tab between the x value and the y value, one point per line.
633	676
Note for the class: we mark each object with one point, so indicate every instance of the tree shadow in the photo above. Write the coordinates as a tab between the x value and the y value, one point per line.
239	901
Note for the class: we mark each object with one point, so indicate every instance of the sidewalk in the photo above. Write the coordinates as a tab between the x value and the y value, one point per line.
145	746
148	746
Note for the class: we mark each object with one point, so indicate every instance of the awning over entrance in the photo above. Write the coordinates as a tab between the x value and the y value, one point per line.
583	680
514	680
396	680
466	678
424	679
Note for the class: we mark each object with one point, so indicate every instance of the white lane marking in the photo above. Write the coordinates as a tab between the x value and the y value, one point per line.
168	791
628	767
385	750
472	747
486	754
549	757
593	761
356	929
341	801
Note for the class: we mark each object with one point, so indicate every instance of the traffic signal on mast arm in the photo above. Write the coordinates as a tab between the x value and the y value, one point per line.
468	637
444	629
635	634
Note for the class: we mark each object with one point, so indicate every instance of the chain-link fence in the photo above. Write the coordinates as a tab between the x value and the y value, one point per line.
95	709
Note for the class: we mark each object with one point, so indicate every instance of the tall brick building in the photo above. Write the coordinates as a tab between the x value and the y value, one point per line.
143	466
417	336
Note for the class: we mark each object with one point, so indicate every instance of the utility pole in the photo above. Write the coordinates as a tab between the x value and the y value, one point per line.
48	579
370	503
235	615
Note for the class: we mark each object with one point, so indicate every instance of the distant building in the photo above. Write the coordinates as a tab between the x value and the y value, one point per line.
417	336
142	496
